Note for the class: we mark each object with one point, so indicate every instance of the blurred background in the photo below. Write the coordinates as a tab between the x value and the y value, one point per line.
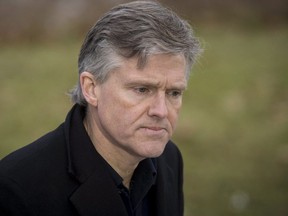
233	129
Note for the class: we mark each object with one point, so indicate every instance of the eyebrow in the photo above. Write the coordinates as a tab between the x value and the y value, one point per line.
154	84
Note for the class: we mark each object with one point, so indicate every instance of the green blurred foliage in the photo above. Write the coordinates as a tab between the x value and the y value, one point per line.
234	126
30	20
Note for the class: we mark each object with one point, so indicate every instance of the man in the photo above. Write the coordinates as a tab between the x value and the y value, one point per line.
113	155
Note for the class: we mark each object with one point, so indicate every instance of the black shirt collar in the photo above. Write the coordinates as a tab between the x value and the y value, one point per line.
146	168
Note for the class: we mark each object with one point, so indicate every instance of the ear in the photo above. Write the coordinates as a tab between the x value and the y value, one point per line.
89	87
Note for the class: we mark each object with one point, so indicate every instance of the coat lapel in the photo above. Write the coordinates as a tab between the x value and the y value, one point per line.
98	196
165	192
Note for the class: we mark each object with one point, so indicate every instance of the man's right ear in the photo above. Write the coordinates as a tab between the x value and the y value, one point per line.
89	88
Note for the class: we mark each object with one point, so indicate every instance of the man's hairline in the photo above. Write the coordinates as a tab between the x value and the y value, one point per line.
121	61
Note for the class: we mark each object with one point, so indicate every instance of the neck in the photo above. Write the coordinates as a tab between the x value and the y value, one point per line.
119	159
125	168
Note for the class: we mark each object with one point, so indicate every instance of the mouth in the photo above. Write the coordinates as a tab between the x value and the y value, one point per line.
154	130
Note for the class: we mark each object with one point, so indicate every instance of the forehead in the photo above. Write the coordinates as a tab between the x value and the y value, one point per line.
158	68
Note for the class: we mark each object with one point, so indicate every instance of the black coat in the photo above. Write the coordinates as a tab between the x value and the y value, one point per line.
62	174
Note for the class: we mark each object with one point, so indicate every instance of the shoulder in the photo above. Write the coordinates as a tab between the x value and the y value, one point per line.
33	158
13	199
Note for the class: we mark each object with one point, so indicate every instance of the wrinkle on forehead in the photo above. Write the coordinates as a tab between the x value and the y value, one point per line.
165	65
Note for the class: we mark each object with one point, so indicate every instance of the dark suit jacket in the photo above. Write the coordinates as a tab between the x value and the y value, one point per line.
62	174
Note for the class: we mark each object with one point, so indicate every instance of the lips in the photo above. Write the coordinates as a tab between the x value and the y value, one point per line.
155	128
154	131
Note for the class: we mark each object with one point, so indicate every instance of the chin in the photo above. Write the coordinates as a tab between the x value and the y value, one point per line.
150	149
153	153
156	155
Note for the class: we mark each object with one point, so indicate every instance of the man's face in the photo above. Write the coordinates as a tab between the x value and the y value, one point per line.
137	109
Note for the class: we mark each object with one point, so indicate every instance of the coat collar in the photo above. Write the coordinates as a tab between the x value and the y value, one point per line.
96	194
166	196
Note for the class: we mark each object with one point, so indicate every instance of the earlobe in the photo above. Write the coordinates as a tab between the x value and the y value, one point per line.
88	86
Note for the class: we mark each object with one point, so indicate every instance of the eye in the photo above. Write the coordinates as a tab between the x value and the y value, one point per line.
141	90
175	93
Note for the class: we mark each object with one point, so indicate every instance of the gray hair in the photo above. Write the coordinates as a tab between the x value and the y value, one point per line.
136	29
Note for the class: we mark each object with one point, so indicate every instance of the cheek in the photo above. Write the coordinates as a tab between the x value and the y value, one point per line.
116	112
173	118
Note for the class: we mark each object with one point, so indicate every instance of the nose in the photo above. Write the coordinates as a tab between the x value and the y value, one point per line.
158	106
